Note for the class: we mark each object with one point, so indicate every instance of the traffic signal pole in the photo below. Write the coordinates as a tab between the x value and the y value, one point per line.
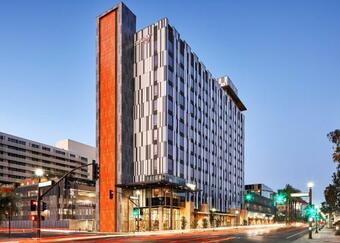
40	197
39	213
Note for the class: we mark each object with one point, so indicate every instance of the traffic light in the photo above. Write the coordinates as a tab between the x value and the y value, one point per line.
249	197
67	184
34	218
111	194
95	171
280	198
34	205
311	211
135	212
44	206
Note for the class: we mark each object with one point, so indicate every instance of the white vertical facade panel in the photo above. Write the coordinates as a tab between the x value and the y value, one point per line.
199	129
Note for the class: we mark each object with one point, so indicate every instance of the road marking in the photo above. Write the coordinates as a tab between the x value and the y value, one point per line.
304	231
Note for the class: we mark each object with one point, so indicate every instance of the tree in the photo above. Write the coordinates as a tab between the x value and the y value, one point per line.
331	197
332	192
291	214
334	137
325	208
8	205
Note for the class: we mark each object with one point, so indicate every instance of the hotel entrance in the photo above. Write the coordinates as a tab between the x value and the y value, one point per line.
160	219
159	207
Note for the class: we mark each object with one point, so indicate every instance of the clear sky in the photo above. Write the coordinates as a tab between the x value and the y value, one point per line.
283	56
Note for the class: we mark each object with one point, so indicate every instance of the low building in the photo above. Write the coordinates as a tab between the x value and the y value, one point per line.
70	205
259	204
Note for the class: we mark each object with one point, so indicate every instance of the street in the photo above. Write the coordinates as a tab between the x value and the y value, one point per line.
288	234
243	234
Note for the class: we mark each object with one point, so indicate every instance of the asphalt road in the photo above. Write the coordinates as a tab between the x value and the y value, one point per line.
250	235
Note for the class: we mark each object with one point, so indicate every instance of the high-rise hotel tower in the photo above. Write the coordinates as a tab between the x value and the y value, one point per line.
170	136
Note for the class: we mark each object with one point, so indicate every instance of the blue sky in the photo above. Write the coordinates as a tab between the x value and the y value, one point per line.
283	56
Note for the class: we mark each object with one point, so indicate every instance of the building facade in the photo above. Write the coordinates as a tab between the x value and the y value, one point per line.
19	157
259	204
187	130
70	205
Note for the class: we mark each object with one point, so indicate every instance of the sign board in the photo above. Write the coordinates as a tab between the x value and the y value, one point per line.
46	183
299	194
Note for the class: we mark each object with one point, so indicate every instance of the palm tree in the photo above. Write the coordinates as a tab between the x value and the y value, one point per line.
291	202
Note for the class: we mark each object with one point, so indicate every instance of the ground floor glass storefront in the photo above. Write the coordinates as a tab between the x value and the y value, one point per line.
159	209
160	219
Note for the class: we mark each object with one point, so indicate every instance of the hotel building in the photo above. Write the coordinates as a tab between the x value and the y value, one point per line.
170	136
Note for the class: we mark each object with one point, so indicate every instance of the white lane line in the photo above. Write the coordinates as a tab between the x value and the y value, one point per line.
304	231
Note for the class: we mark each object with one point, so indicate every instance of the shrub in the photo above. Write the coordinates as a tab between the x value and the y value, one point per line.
194	224
184	222
205	223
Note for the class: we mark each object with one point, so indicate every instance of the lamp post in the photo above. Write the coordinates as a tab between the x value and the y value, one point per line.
39	173
310	186
213	210
237	213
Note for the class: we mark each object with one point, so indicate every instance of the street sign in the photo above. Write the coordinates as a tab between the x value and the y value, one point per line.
46	183
299	194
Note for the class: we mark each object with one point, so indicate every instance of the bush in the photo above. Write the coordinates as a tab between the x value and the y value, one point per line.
205	223
184	223
194	224
218	222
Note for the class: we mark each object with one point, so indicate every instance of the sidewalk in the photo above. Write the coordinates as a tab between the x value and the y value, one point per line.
325	235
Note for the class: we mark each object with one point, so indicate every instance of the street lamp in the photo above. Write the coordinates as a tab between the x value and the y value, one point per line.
237	213
213	210
310	185
39	173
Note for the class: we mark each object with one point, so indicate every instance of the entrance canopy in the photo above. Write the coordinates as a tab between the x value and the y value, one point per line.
162	180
